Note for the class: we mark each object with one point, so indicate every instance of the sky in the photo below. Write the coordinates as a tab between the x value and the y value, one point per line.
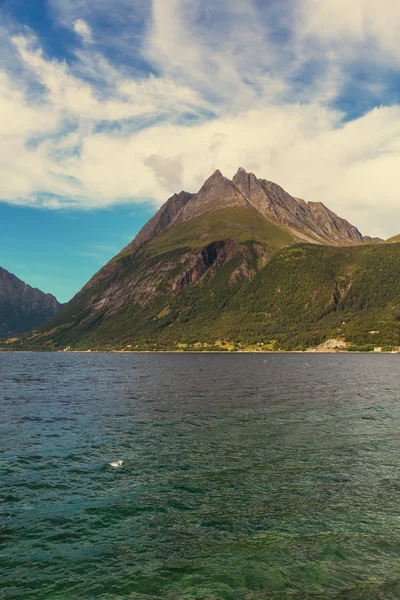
109	107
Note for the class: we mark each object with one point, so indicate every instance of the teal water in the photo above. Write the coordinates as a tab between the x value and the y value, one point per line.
245	476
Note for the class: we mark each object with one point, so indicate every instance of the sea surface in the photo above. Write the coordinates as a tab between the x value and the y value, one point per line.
244	476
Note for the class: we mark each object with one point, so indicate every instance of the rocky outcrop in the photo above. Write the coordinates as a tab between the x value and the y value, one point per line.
332	228
217	192
271	200
162	219
310	221
215	253
261	253
242	272
21	306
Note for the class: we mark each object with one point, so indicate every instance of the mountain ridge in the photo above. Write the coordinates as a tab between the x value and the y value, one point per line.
308	221
22	306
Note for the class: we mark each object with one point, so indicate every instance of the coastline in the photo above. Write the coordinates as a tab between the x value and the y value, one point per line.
260	352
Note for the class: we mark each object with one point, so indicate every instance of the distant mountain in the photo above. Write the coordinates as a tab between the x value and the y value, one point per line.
239	264
23	307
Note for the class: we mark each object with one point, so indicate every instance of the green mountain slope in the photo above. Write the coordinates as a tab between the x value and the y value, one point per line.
235	276
303	296
239	224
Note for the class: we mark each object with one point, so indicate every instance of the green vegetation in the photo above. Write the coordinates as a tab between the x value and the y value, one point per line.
240	224
305	295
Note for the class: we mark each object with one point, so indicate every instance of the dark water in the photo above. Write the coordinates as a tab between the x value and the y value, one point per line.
244	476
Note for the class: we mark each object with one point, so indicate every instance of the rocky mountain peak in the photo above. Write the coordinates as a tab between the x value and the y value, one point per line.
215	181
242	177
250	187
240	173
218	192
307	221
216	175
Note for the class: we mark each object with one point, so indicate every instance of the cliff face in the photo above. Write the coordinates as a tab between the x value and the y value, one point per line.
312	221
21	306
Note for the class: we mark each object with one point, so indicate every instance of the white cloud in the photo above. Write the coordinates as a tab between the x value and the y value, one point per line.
93	134
83	30
167	170
226	54
352	27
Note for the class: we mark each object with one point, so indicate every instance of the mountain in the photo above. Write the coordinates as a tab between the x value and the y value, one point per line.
238	264
21	306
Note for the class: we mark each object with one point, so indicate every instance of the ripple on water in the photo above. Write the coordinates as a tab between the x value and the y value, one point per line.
244	477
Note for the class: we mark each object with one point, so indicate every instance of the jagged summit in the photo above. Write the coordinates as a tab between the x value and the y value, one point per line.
305	221
247	183
217	193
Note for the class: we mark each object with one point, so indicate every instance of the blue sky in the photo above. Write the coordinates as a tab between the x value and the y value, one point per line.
106	112
58	251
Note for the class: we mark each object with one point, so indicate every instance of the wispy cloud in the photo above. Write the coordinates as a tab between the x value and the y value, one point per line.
84	31
159	94
99	253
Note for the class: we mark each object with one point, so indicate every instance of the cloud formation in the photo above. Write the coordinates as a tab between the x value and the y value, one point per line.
83	30
197	85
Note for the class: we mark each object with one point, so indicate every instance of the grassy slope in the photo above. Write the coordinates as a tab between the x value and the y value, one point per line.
310	293
241	224
305	294
393	240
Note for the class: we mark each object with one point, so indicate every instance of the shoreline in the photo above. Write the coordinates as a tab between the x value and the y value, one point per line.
258	352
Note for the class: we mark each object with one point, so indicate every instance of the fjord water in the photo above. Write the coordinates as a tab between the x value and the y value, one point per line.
245	476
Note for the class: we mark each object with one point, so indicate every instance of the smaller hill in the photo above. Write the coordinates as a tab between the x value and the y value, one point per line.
23	307
393	240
